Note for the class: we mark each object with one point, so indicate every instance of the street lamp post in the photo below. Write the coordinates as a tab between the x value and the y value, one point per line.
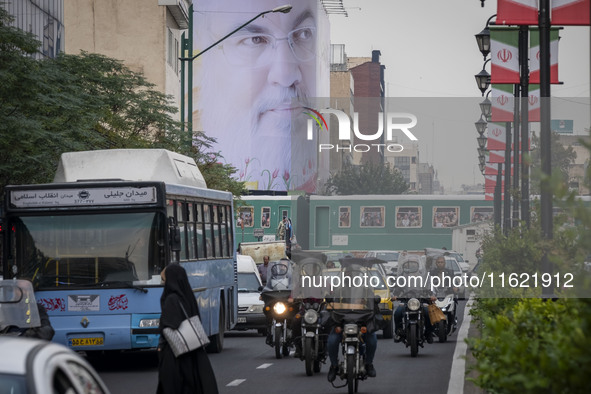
483	38
188	45
483	79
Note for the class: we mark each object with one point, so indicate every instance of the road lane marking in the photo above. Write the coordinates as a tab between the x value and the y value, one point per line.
235	382
263	366
458	366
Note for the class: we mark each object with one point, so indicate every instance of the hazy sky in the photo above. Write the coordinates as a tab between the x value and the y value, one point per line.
429	50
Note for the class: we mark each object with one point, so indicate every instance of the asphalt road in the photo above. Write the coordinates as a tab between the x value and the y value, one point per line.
247	366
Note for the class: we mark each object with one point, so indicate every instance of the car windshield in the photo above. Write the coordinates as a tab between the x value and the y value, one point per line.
248	282
458	257
452	265
14	384
387	256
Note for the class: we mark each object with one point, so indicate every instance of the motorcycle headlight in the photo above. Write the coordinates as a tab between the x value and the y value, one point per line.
351	329
279	308
311	316
258	308
444	309
414	304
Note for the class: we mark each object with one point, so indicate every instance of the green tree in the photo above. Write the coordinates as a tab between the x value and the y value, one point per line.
368	178
561	159
84	102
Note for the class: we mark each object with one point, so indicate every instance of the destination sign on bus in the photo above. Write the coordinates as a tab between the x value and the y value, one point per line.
83	196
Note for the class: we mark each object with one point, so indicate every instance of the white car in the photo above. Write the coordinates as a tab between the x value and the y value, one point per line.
250	306
389	256
36	366
460	259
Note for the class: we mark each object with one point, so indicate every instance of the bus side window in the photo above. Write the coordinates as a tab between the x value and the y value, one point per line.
200	235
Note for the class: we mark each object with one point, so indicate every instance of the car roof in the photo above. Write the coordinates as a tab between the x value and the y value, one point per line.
18	349
36	359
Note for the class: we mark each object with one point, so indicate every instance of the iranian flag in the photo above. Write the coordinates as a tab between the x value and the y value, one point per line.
534	55
517	12
490	169
490	181
503	103
504	42
496	136
533	102
571	12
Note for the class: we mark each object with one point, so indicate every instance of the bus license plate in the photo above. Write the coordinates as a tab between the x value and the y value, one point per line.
242	320
86	341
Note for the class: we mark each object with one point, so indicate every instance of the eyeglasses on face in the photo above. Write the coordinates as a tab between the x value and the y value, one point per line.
257	49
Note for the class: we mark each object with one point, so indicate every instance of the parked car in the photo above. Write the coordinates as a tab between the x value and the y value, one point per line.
389	256
250	306
36	366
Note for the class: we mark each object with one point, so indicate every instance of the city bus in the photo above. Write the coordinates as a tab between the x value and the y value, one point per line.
95	240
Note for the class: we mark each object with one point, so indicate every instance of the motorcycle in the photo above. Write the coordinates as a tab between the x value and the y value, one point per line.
313	338
310	337
280	311
413	324
352	313
447	326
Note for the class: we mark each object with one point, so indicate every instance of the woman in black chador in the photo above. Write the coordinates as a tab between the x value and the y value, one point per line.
190	372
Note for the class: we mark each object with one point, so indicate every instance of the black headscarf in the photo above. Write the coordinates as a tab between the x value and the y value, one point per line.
177	283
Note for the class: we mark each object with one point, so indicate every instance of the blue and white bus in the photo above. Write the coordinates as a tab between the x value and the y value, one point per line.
95	240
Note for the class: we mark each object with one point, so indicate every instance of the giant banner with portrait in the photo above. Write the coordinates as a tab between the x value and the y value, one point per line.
251	89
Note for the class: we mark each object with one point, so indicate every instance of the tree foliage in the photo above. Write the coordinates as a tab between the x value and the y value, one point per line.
561	159
84	102
368	178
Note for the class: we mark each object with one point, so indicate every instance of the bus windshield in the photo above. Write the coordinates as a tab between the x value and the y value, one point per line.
89	250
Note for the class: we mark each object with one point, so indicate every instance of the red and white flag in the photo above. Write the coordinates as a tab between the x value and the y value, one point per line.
504	51
517	12
503	103
533	102
534	55
571	12
496	136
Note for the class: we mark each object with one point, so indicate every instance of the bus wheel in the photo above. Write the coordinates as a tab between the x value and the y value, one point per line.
216	344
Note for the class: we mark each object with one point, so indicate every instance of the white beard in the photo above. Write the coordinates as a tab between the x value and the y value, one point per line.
259	145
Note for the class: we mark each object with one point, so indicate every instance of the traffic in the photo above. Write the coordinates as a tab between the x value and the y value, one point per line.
92	259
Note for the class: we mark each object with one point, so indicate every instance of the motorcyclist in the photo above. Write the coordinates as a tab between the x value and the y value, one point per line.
369	338
12	317
411	265
279	279
308	265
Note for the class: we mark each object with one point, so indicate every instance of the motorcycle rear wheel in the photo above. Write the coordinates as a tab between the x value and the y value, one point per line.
278	335
442	331
351	375
308	350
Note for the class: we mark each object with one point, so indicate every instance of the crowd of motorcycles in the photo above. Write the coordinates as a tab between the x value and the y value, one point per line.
303	318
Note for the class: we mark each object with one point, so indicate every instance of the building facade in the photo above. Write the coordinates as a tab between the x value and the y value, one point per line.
146	36
42	18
